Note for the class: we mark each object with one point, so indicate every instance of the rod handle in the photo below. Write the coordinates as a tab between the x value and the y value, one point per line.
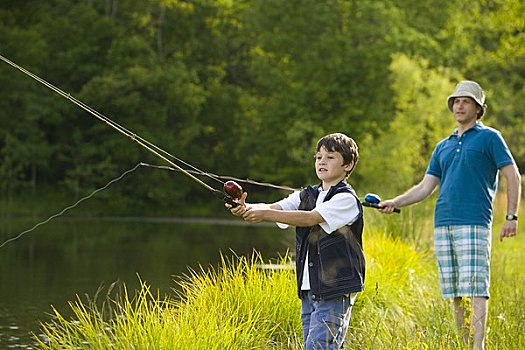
230	201
377	206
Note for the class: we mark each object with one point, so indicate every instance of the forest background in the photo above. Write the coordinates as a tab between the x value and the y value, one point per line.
241	88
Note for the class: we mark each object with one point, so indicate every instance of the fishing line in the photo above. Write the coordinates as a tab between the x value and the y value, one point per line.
120	177
134	137
73	205
141	141
224	177
166	156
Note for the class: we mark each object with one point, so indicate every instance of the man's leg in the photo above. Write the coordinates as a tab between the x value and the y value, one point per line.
461	319
480	308
472	245
474	316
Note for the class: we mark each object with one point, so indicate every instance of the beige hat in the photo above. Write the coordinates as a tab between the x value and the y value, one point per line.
468	88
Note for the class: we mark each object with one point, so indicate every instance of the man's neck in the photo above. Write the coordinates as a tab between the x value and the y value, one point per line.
462	128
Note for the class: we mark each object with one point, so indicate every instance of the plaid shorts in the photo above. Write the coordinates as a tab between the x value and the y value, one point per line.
463	256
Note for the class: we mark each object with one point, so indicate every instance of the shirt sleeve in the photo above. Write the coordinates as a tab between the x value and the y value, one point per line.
340	210
434	168
500	151
291	202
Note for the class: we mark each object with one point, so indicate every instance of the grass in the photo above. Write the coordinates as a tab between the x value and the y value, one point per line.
506	324
240	306
401	308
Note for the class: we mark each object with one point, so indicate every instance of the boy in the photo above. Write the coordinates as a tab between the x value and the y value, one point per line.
330	262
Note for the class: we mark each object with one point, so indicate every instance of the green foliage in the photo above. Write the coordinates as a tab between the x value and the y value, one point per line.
421	119
313	75
245	88
238	306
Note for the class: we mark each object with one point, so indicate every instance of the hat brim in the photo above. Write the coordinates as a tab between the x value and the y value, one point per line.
450	100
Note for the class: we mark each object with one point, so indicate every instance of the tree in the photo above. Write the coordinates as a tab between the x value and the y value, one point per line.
398	157
317	67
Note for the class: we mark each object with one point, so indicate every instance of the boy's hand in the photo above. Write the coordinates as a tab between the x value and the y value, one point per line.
239	209
253	214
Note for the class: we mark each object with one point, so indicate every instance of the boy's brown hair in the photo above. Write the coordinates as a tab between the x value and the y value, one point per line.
339	142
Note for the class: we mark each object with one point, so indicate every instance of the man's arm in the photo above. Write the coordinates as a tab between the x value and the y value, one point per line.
511	173
416	194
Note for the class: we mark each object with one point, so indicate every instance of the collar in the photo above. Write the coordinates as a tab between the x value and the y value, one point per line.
341	183
476	127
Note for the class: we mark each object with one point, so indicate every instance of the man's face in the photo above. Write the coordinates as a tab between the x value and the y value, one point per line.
465	110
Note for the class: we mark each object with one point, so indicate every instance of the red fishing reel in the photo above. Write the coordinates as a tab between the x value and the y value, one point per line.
233	192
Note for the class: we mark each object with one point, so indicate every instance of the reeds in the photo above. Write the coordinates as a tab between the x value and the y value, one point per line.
238	305
401	307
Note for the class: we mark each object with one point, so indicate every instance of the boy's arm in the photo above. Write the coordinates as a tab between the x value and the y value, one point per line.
240	209
255	213
273	213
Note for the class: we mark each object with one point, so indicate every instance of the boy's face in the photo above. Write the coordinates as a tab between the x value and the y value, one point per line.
329	167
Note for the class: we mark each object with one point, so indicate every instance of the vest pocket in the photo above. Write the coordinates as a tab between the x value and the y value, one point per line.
337	261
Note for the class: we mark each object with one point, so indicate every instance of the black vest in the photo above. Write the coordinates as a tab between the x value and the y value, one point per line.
336	260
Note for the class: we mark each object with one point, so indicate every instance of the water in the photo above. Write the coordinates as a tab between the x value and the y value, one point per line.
65	258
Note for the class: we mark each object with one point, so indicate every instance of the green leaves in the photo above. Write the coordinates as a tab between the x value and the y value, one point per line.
247	88
421	119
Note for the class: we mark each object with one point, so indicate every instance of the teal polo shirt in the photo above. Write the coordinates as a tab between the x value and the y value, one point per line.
467	167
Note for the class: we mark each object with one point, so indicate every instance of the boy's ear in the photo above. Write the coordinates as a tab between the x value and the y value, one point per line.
349	166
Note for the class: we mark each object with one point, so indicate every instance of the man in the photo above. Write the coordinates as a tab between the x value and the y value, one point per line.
465	165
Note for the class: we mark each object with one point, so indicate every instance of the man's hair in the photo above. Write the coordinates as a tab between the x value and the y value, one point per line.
339	142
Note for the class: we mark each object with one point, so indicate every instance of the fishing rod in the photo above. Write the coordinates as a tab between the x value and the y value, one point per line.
230	193
159	152
230	187
227	177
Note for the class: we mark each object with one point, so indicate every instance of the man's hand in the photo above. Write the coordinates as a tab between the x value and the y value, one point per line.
387	206
509	229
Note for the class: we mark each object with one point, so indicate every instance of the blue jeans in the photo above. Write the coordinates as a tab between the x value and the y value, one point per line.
325	322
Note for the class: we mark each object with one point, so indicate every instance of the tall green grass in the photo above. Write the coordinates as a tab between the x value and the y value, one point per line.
401	308
238	305
506	324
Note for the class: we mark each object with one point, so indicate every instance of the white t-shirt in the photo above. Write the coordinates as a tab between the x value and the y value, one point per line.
340	210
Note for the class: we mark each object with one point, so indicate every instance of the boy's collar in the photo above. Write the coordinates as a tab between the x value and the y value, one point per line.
339	184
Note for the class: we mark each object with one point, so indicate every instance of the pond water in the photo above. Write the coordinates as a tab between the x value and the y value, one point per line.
65	258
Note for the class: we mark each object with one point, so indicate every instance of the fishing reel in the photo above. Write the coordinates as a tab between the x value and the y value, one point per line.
372	200
233	192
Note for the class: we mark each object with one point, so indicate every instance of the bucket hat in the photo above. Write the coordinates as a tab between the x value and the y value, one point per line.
468	88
